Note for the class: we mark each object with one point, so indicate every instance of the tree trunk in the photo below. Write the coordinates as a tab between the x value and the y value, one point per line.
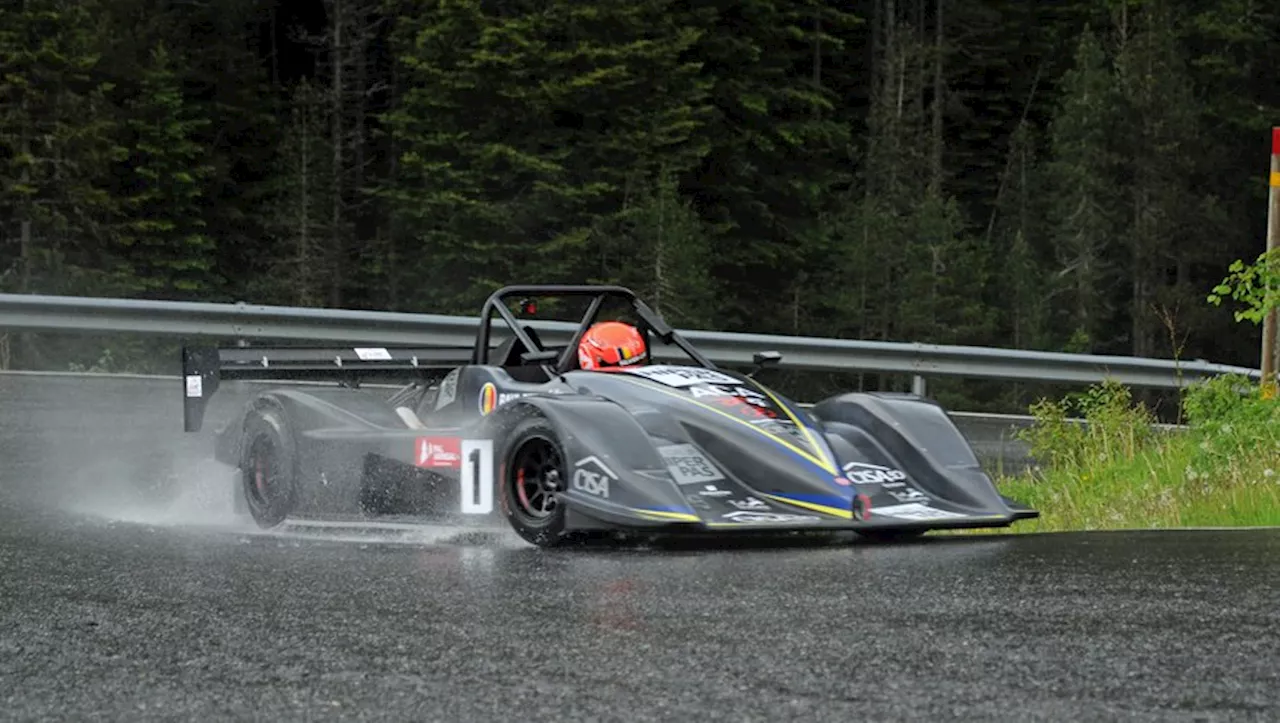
337	241
935	175
817	49
305	262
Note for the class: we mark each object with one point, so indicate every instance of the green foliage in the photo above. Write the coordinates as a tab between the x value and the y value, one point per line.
1106	427
1083	211
657	246
1118	472
1036	175
1233	419
300	266
165	251
1256	286
56	143
573	115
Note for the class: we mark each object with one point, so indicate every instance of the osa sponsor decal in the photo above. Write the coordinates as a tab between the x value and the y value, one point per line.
713	491
688	465
746	517
437	452
867	474
591	476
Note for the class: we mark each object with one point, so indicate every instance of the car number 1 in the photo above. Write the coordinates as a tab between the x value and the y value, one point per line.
476	481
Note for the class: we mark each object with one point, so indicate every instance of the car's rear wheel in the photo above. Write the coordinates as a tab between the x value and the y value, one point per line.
268	467
533	483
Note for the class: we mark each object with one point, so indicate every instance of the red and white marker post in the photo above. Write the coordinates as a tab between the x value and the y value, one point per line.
1273	233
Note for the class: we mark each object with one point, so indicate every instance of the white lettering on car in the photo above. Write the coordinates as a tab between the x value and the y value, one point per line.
592	476
688	465
744	516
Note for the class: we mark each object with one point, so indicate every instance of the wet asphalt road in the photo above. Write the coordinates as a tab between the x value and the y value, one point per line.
129	592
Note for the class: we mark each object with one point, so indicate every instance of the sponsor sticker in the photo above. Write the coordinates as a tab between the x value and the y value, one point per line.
909	494
448	390
195	385
914	511
749	407
746	516
373	354
491	398
750	503
688	465
713	491
438	452
698	502
682	376
868	474
592	476
706	390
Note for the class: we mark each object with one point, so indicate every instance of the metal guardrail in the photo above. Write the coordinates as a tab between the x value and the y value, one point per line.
247	321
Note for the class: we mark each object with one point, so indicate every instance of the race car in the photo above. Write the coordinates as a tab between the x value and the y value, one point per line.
595	435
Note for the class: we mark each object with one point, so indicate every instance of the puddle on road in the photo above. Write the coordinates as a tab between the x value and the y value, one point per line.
203	500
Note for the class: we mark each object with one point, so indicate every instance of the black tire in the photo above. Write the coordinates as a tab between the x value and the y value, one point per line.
533	476
268	467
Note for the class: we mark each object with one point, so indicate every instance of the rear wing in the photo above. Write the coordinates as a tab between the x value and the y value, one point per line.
204	367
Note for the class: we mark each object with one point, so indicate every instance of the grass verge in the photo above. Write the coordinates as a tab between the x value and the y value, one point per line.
1118	472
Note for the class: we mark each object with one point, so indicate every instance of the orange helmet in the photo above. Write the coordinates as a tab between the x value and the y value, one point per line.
610	345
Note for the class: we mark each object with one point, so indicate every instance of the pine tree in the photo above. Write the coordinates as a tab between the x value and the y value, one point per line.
1161	131
165	251
56	144
659	248
777	146
297	264
1084	207
521	131
1019	235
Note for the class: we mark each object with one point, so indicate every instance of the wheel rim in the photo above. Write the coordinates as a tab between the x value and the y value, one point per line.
536	479
262	473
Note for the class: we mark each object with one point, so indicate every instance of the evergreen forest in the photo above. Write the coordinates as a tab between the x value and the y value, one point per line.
1072	175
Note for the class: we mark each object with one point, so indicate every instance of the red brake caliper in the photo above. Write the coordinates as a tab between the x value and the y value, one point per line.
259	476
524	496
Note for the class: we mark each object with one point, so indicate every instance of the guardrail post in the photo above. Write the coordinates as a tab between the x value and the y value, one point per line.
918	386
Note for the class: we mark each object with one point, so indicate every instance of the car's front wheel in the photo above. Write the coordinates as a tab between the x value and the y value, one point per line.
533	483
268	467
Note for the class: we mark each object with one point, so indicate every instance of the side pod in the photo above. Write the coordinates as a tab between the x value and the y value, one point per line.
919	435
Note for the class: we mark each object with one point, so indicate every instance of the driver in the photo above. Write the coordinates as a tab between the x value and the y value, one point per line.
611	345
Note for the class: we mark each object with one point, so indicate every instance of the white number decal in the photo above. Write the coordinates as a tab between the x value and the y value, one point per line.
476	480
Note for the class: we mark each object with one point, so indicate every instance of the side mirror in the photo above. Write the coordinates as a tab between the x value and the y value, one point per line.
764	359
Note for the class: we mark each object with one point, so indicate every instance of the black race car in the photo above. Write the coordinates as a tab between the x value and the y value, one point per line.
515	429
